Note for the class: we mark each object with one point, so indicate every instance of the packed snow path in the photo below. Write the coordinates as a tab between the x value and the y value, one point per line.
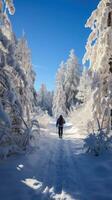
57	169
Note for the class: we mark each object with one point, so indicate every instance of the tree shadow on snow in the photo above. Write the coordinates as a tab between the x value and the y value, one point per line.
58	170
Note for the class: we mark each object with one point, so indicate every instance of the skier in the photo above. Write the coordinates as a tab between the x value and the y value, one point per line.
60	122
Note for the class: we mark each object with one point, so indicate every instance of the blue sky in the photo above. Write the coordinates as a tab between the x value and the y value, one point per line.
52	28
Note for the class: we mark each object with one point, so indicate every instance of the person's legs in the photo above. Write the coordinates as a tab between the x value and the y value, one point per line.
61	132
111	122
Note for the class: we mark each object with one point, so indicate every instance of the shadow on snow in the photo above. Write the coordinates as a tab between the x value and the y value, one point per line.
56	171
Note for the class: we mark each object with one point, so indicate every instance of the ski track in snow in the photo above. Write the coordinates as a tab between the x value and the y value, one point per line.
57	170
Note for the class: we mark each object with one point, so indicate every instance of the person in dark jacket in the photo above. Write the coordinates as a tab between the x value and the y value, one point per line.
60	122
111	117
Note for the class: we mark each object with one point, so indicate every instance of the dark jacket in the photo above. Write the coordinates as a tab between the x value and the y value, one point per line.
60	121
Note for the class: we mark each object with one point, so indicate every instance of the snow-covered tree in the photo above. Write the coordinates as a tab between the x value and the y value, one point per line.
84	88
99	53
59	98
67	81
5	25
28	93
44	99
49	102
15	84
71	82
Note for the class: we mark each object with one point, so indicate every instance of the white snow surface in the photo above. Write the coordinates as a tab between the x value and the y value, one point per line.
58	169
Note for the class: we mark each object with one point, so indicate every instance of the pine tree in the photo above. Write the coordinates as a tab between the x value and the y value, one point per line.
59	98
84	88
28	93
44	99
67	81
71	81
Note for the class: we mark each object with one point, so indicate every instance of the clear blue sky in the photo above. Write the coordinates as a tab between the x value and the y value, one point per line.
52	28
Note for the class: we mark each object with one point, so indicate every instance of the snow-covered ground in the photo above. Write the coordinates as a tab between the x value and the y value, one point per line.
57	169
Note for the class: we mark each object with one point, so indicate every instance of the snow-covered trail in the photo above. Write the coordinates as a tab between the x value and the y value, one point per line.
58	169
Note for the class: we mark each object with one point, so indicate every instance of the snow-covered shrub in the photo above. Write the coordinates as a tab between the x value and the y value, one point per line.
14	142
97	143
34	133
98	140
